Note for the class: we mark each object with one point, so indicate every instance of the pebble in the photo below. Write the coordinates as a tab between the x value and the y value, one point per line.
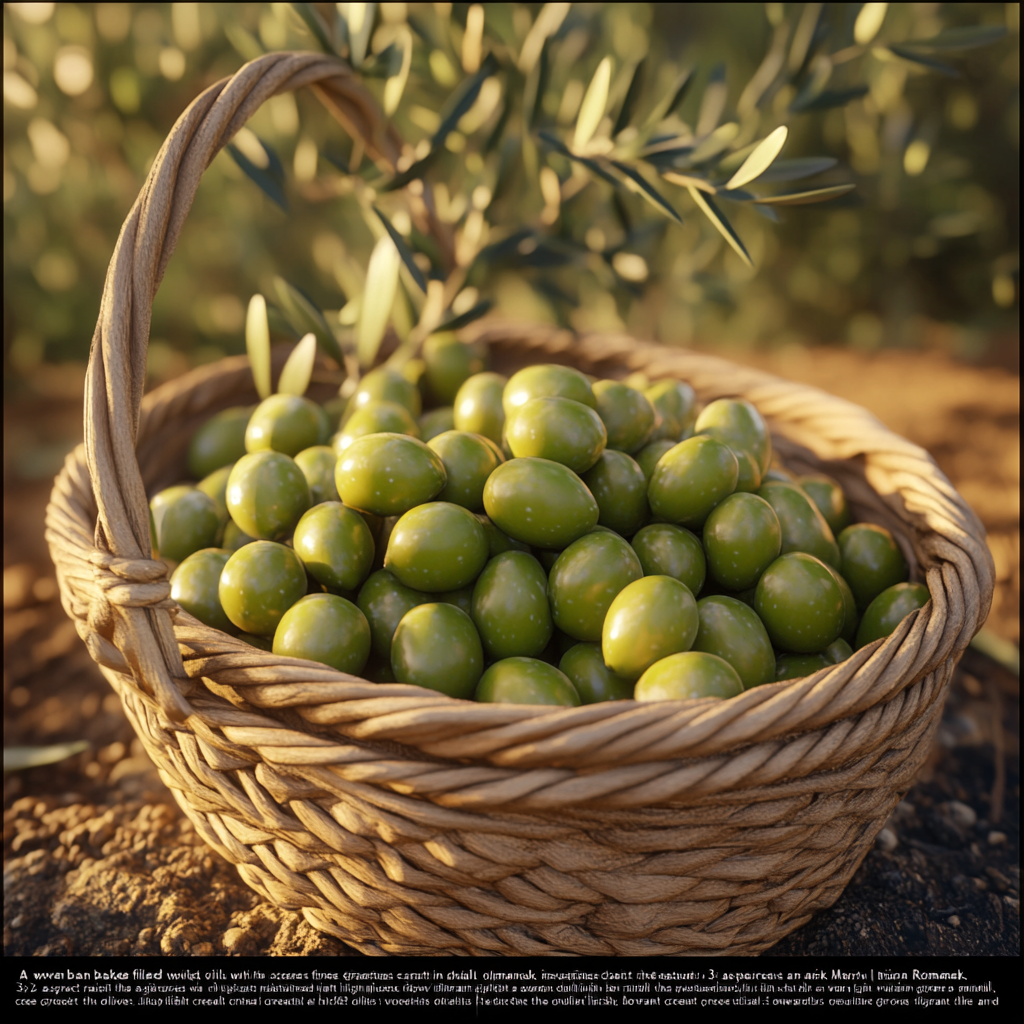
996	838
886	840
961	814
953	920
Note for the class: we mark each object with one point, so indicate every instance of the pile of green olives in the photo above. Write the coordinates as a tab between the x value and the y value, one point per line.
544	538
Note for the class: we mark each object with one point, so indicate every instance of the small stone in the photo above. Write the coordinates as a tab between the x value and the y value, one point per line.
237	940
886	840
996	839
961	814
953	920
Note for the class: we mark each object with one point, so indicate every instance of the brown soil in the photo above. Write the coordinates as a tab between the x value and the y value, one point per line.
99	860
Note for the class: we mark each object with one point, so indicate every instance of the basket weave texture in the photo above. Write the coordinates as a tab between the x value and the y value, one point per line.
404	821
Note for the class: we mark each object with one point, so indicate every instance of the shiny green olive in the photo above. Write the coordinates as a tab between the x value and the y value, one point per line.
650	455
800	603
384	601
317	465
259	583
676	403
462	598
558	429
437	546
742	537
889	609
510	607
386	385
194	585
184	520
777	475
691	479
736	422
219	441
435	422
284	423
803	526
586	578
850	616
498	542
376	418
546	381
734	632
526	681
215	486
668	550
478	405
450	362
437	646
235	537
388	474
871	561
267	494
469	459
796	666
325	628
335	545
749	479
619	487
650	619
688	675
593	680
539	502
628	417
838	651
830	499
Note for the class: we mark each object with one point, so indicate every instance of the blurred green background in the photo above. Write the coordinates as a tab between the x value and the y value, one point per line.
924	256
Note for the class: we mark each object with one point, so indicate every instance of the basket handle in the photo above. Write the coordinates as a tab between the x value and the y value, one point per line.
139	616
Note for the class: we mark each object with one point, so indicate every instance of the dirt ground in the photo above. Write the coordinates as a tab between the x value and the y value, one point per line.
99	860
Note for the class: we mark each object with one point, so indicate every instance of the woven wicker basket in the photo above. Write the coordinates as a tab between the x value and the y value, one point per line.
403	821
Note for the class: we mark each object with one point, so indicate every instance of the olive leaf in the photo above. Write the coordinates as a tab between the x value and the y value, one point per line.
648	191
828	98
671	99
760	159
270	177
404	251
305	316
636	84
799	167
928	62
468	317
587	162
257	344
359	23
298	369
378	298
716	142
868	23
818	195
18	758
400	61
247	45
712	103
316	25
956	39
707	204
593	106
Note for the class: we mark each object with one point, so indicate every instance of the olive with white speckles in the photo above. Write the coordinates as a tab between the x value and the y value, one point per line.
325	628
742	537
691	479
259	583
800	603
388	474
733	631
436	547
510	607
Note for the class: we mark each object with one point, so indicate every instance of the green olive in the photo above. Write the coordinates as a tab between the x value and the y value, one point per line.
593	679
497	542
219	441
585	580
325	628
796	666
749	479
215	486
800	603
185	520
436	547
546	381
676	403
235	537
871	561
386	385
259	583
194	585
828	496
558	429
267	494
510	607
889	609
850	616
742	537
539	502
687	675
388	474
435	422
650	455
376	418
736	422
619	487
838	651
734	632
650	619
803	526
628	417
469	459
284	423
437	646
449	364
384	601
526	681
668	550
478	405
335	545
691	479
317	465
